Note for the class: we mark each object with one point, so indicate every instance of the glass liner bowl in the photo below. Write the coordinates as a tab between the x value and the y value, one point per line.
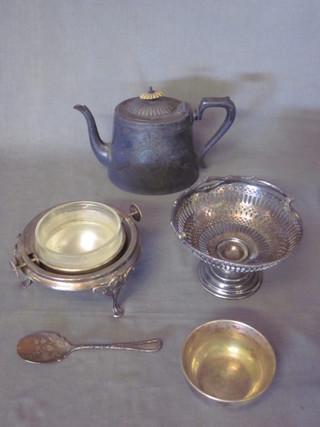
79	236
228	361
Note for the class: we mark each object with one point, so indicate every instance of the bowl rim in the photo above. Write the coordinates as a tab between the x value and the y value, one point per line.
247	327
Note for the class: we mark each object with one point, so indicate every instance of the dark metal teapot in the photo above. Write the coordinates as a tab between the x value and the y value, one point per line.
152	148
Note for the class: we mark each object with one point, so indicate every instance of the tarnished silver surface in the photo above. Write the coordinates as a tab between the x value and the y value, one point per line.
237	226
49	346
108	279
152	149
228	361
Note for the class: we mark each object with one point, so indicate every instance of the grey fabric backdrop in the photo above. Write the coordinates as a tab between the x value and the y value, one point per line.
54	54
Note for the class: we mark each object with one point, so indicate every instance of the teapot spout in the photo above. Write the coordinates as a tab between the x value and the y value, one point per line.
101	149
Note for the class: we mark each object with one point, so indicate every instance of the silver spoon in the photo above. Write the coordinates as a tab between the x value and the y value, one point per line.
48	346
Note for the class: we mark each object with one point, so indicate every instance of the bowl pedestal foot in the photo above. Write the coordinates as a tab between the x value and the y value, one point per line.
228	284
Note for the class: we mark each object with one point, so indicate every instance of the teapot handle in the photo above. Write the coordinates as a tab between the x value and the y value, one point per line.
229	106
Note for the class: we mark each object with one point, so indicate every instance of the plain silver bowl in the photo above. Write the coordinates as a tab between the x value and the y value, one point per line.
237	226
228	361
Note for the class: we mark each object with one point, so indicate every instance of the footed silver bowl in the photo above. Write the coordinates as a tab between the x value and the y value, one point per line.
238	227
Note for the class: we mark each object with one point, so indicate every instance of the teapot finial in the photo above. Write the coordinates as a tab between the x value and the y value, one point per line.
151	94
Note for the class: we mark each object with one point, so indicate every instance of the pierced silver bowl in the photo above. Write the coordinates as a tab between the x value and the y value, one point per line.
237	226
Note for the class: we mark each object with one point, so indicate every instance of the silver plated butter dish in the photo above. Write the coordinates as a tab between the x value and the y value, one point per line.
105	238
238	227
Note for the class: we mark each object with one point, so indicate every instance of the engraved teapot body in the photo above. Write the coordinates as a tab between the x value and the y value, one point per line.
152	150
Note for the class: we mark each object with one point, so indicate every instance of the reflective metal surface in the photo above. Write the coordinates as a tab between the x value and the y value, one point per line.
237	226
228	361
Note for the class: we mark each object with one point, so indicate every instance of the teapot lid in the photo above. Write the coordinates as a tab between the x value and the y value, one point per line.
152	106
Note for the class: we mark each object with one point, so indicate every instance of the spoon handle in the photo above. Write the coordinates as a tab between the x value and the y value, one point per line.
148	346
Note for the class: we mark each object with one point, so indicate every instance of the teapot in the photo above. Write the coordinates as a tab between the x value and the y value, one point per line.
152	149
